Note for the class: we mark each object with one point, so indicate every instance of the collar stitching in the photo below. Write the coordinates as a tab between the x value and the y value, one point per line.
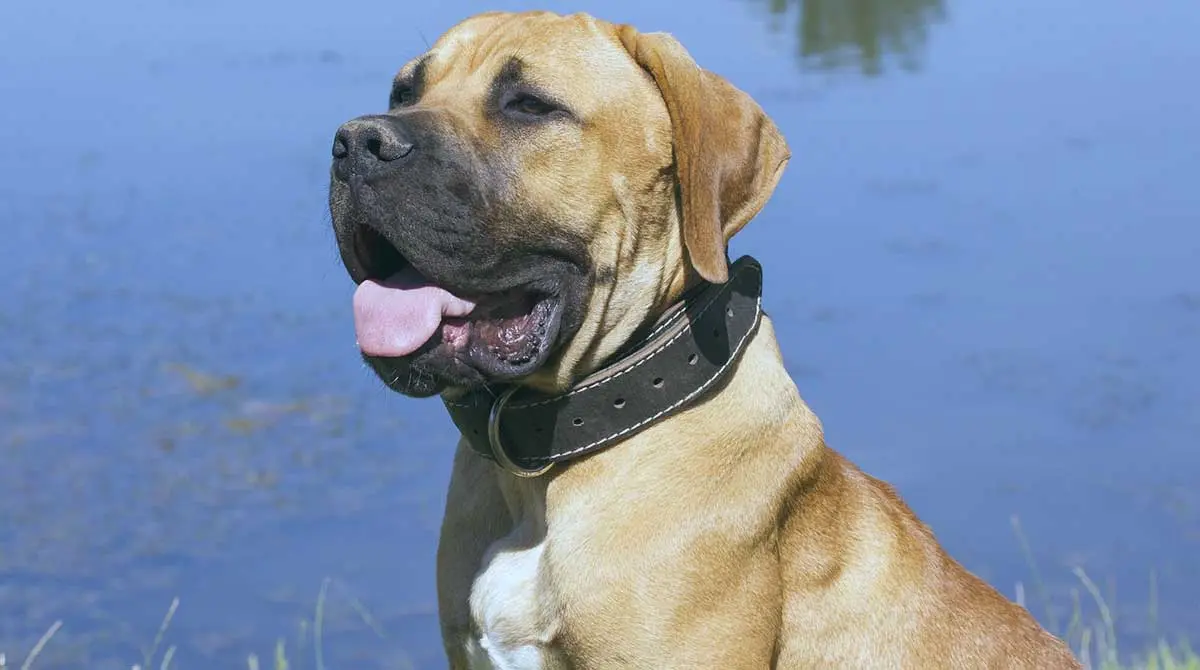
734	357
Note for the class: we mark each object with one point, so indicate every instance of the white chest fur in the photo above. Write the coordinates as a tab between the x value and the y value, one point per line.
510	608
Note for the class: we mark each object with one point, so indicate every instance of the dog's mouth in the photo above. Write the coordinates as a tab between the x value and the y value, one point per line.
400	313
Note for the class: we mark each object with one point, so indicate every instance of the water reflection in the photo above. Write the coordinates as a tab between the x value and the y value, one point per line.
862	34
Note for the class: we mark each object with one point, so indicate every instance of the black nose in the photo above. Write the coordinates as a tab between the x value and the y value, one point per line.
366	144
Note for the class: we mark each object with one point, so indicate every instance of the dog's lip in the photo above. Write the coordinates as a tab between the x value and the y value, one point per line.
398	310
397	316
520	343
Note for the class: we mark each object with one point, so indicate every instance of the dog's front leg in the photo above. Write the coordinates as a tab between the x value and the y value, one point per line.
475	517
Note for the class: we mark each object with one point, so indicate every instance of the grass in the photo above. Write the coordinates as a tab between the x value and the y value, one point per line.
1094	642
279	660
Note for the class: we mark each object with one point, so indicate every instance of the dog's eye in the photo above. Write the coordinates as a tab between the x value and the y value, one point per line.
402	95
530	105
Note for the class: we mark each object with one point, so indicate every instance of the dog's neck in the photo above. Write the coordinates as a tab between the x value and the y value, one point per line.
759	398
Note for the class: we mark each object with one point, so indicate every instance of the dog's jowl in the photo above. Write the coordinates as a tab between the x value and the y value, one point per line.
537	225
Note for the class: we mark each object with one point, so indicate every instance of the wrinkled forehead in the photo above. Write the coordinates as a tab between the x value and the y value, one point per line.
575	57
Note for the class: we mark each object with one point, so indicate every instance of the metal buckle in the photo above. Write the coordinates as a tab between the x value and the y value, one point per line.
497	444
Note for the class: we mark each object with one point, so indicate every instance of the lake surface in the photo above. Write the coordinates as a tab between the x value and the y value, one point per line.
983	262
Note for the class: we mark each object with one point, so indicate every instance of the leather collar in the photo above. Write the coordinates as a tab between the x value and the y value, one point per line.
687	354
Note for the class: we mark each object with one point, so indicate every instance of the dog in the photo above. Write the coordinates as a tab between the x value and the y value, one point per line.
538	228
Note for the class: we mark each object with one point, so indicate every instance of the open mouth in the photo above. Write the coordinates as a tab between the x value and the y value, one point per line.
399	312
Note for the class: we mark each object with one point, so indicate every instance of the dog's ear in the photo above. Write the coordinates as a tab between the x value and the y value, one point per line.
728	154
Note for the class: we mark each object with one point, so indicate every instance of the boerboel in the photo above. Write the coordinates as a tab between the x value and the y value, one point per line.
537	226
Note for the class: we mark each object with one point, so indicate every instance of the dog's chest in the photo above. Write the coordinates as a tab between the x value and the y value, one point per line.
512	612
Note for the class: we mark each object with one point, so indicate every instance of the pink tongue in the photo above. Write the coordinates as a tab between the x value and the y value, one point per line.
398	315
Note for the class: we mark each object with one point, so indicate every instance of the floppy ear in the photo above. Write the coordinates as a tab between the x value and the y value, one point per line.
728	155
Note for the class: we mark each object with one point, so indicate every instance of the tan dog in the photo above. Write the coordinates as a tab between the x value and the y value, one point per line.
541	192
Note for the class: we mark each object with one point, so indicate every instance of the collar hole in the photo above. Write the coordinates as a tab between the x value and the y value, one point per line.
619	403
577	421
658	382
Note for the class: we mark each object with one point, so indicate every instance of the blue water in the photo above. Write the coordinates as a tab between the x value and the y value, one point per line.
983	262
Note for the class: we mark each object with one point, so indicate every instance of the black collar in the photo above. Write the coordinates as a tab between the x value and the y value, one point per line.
690	352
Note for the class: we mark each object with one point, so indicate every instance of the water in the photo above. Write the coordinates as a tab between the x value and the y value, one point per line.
982	262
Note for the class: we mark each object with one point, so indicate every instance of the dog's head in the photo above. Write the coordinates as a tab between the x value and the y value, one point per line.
539	188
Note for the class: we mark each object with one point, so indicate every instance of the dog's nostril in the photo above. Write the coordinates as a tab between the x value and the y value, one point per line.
389	150
340	148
